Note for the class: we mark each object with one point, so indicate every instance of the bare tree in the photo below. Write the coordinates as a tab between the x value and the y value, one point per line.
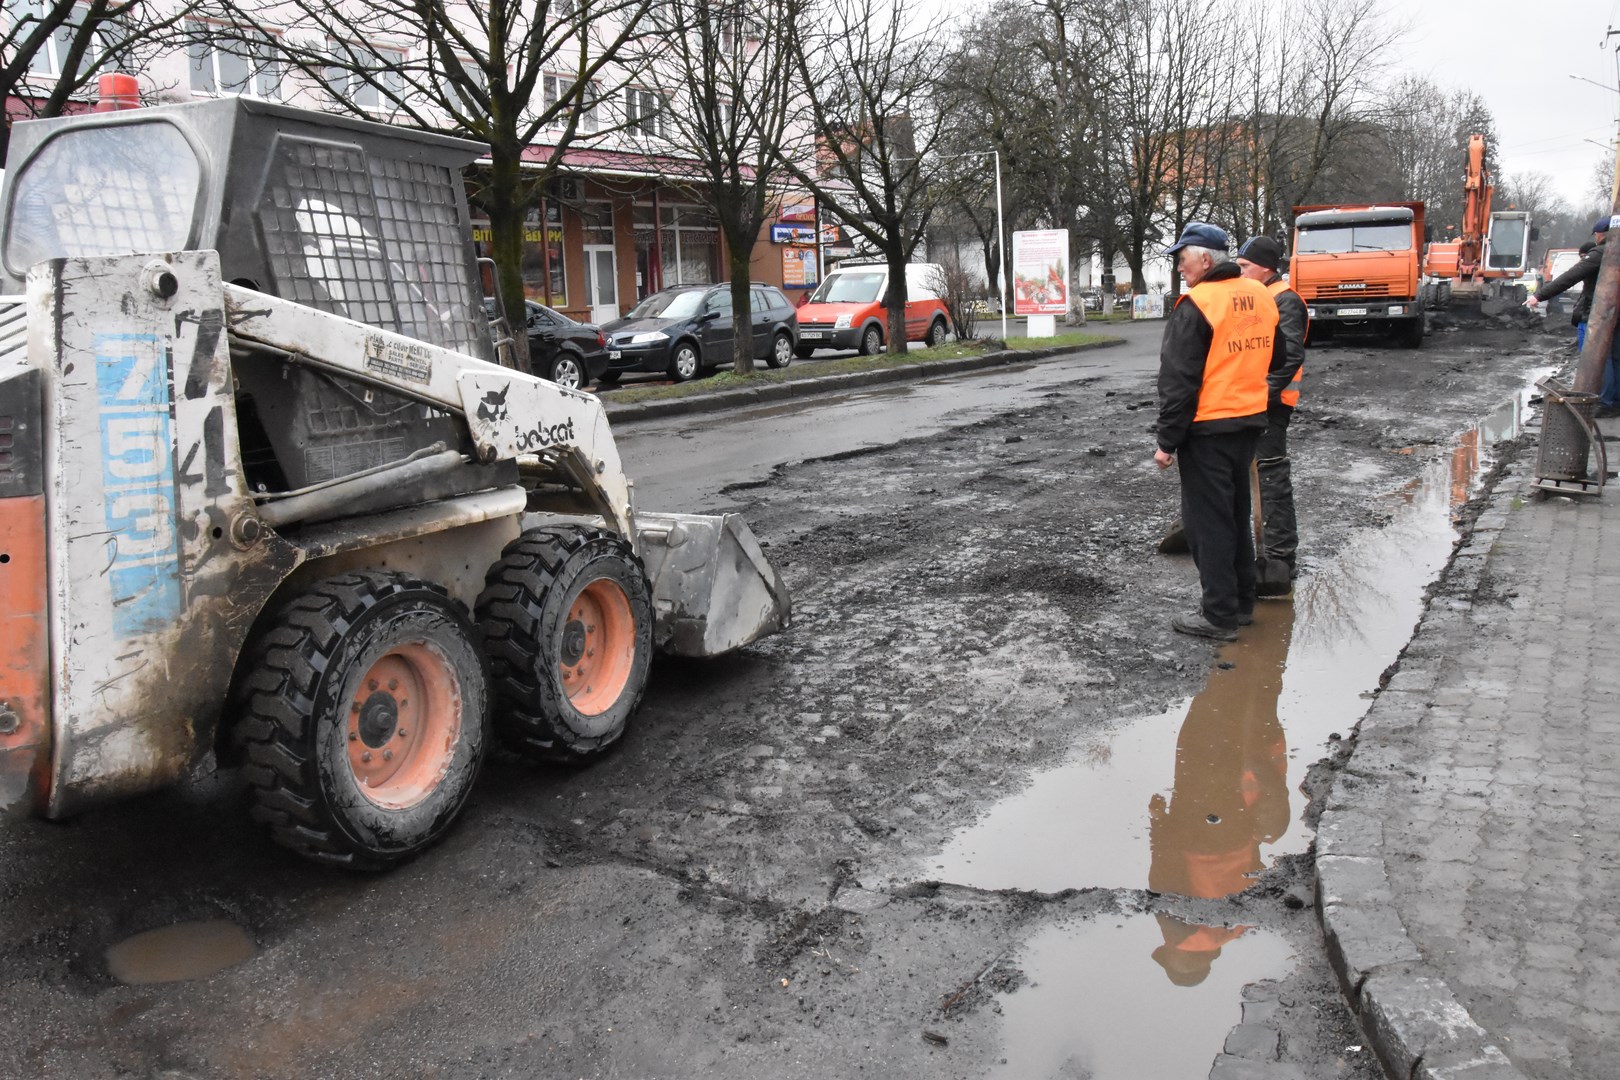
726	73
872	131
52	51
491	70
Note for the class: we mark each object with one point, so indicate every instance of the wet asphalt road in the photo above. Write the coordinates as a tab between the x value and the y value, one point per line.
783	869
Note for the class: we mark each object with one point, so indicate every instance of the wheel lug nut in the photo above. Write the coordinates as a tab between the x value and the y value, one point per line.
393	684
366	756
404	702
388	755
353	736
373	684
403	733
354	708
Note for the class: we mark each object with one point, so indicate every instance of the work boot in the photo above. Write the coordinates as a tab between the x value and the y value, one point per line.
1199	626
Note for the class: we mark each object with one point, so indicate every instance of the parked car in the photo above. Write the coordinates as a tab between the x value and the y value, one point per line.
686	330
846	311
569	353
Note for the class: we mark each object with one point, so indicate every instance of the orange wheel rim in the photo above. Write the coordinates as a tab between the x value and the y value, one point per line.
403	725
598	647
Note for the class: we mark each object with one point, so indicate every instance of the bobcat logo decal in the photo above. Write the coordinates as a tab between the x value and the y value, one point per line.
492	409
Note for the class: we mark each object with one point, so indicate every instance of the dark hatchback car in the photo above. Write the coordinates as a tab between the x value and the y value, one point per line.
569	353
687	329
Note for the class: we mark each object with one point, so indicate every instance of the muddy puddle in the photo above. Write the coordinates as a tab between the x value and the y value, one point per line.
1198	799
179	953
1068	1021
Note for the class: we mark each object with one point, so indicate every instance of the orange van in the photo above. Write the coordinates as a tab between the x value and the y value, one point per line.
846	311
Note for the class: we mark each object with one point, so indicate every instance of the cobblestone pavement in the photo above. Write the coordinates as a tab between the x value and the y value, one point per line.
1469	859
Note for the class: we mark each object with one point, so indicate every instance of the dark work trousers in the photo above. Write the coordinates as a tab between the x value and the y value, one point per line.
1215	516
1281	532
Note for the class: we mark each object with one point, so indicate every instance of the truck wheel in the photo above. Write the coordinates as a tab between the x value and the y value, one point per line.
781	352
684	364
567	622
362	715
871	341
937	334
1410	333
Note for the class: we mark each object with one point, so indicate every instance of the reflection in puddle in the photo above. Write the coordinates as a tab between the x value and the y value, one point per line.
176	953
1190	801
1142	1019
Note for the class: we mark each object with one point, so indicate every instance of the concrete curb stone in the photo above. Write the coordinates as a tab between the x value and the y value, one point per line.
798	388
1411	1019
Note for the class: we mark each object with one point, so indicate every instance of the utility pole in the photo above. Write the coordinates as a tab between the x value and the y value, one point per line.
1600	324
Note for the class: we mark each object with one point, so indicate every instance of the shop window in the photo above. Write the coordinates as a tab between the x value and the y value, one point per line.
558	87
386	68
48	61
536	256
644	112
233	60
690	246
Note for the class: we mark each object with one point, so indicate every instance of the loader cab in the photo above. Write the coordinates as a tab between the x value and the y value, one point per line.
357	219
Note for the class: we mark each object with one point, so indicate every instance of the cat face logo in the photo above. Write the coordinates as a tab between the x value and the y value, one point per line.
492	409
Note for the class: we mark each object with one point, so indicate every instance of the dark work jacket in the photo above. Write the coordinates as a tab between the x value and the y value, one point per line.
1584	273
1292	319
1182	355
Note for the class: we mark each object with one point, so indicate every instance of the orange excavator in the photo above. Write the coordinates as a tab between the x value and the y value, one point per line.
1492	248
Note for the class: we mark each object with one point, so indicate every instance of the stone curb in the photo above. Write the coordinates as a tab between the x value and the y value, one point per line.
799	388
1407	1012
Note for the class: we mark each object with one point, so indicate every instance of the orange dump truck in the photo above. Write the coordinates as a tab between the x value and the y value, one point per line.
1359	266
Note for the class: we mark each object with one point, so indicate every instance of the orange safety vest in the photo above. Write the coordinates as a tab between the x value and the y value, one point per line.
1290	394
1243	316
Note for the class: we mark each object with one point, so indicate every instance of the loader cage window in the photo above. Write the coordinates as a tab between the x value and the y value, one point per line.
116	190
374	239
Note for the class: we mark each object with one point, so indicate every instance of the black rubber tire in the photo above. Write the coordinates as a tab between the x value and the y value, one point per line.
568	369
871	341
290	717
804	353
609	378
937	333
522	612
684	362
782	351
1410	334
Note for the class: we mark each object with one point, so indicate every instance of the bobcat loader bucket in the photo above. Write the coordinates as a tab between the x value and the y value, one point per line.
712	588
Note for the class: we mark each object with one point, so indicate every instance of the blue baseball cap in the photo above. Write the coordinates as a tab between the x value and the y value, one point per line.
1601	226
1200	234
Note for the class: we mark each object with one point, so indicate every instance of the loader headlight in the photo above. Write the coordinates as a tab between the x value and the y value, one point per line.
649	338
843	321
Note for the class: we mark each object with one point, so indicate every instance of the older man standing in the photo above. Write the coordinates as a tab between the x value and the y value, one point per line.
1219	343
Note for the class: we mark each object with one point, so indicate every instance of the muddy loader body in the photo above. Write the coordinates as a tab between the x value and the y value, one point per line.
265	493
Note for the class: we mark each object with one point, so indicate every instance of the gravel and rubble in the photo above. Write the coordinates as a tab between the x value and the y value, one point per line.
742	887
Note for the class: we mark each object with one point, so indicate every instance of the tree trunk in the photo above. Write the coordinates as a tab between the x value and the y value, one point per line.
894	299
742	310
502	200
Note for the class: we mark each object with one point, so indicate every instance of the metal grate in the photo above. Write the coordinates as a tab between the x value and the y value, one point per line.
377	241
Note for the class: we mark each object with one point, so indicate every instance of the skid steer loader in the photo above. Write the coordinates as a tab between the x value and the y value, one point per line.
266	494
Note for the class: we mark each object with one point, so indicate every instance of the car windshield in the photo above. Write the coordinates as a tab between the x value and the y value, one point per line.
1370	236
849	289
669	305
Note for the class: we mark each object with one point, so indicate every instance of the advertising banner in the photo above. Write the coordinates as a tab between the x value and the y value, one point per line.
800	212
798	268
1041	272
793	234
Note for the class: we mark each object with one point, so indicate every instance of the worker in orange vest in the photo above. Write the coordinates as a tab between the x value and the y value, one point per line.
1259	260
1220	340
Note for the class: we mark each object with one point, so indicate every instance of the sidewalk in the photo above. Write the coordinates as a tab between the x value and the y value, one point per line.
1468	861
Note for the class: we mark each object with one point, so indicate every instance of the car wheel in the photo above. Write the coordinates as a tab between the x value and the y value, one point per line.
937	334
567	371
609	378
781	352
684	364
871	341
804	352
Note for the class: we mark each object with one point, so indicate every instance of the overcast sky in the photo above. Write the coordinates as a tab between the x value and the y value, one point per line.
1518	55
